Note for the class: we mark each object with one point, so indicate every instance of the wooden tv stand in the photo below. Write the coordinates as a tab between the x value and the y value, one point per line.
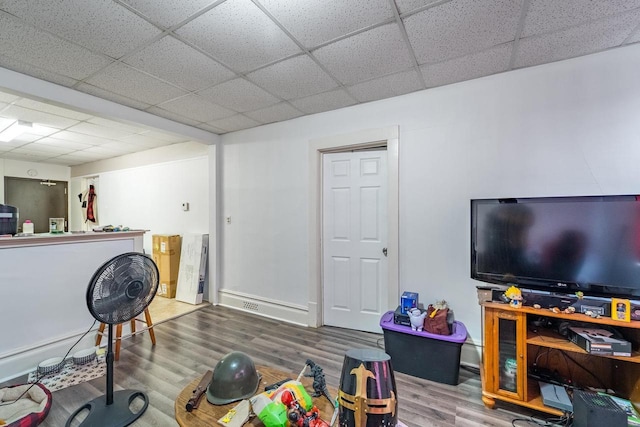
511	338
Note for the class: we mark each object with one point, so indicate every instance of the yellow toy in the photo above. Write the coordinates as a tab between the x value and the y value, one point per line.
515	296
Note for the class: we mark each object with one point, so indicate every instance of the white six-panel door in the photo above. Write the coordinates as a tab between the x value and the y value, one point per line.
354	239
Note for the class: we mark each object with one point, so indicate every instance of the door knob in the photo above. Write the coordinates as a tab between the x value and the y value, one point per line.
384	251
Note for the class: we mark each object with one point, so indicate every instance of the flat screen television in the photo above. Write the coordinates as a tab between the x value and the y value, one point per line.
558	244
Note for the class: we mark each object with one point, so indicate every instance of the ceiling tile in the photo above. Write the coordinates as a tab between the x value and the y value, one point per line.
33	71
239	95
23	43
33	116
102	26
234	123
5	122
175	62
168	13
240	35
576	41
17	142
294	78
635	37
324	101
197	108
172	116
100	151
165	136
274	113
73	145
143	140
208	127
39	129
122	147
110	96
7	97
25	138
468	67
37	147
12	155
114	124
83	137
551	15
387	86
373	53
405	6
99	131
66	160
126	81
313	22
461	27
53	109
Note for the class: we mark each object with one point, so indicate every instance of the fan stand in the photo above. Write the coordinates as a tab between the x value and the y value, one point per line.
116	411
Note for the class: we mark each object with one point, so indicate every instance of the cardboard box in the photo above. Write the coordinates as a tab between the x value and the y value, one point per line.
167	289
599	341
408	300
166	244
166	255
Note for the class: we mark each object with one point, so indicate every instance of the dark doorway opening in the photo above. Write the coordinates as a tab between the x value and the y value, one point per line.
37	200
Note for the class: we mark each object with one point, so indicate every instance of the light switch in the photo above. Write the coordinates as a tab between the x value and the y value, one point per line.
185	207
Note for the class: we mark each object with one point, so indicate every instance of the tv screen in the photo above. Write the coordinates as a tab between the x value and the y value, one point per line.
558	244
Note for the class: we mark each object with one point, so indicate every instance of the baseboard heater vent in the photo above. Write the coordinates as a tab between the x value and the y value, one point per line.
250	306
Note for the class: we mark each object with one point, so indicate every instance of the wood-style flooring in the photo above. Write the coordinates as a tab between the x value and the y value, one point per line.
189	345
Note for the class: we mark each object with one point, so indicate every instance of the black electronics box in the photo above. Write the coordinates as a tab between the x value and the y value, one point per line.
595	410
599	341
401	319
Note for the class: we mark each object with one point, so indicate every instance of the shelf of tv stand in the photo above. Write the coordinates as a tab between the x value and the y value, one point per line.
578	317
624	378
550	339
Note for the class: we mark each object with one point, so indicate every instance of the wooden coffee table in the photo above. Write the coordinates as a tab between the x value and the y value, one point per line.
207	415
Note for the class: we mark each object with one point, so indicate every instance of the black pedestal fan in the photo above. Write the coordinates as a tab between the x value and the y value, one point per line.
119	291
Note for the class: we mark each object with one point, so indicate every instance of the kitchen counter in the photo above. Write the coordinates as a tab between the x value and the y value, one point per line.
43	285
64	238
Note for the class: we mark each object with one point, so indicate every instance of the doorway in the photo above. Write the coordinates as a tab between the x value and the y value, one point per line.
37	200
372	138
354	239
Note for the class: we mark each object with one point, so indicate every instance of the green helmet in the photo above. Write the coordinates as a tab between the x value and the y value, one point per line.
234	378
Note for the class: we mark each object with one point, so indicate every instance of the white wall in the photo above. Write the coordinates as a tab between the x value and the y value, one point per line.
150	197
567	128
18	169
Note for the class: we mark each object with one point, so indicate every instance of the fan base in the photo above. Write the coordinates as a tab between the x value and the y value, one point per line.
118	414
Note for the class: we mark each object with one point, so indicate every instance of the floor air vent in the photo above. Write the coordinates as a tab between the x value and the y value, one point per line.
250	305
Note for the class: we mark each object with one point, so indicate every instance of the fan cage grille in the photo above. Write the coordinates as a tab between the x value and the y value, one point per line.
122	288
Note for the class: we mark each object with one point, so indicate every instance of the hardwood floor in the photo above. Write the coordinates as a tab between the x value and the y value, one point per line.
191	344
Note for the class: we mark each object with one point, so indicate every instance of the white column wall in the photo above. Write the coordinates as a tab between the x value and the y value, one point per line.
18	169
566	128
150	198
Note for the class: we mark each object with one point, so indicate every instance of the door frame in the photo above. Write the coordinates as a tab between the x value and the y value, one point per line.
369	138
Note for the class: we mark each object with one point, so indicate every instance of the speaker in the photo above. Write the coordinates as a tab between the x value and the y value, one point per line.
596	410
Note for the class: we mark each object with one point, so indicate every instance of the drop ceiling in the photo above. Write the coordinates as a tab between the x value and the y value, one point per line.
223	66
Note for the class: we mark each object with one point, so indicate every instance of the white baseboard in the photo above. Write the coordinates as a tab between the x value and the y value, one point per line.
22	363
471	353
286	312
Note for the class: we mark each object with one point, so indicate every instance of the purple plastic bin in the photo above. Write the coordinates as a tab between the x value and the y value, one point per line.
422	354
